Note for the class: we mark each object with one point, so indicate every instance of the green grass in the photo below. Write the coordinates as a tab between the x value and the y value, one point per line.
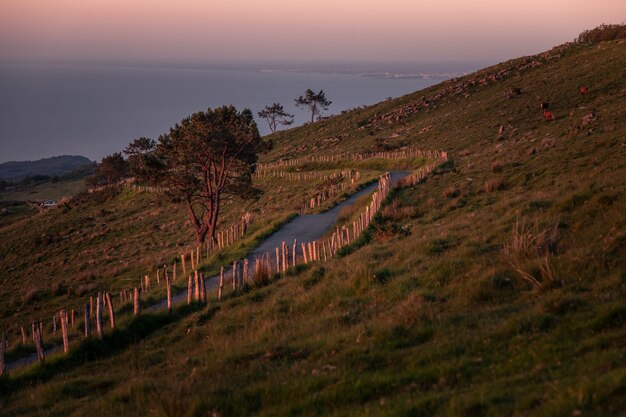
425	316
46	191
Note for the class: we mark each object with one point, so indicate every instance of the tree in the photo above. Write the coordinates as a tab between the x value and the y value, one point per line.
314	102
141	156
110	170
275	116
206	157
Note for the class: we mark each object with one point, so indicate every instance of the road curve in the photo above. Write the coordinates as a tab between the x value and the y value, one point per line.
304	228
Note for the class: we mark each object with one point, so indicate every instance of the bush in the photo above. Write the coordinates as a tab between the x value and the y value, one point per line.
31	295
57	288
493	184
613	316
382	276
452	191
602	33
396	211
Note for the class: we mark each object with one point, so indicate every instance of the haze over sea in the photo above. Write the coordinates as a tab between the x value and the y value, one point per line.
97	110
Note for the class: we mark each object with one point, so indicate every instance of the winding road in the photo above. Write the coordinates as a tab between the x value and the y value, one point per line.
304	228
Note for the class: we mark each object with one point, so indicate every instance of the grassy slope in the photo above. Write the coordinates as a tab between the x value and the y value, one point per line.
46	191
429	318
108	241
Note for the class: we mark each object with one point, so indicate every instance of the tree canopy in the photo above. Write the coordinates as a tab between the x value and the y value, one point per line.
140	153
207	156
275	116
110	170
314	102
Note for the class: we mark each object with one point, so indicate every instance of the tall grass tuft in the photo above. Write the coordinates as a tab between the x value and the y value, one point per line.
533	246
262	273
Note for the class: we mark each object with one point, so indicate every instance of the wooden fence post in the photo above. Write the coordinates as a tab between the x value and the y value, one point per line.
219	290
202	288
87	321
99	315
197	286
182	261
304	253
234	276
66	342
277	261
41	355
244	279
293	255
24	338
189	289
137	302
169	292
72	318
111	311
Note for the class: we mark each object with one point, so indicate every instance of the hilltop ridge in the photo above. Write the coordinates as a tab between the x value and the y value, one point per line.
54	166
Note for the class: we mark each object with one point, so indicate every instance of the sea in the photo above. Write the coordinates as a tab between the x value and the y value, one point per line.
95	110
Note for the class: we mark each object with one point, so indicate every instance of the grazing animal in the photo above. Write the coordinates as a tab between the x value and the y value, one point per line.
548	115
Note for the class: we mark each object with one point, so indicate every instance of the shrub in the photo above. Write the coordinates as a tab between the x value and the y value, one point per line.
439	246
548	142
316	277
602	33
395	211
452	191
612	316
493	184
57	288
31	295
382	276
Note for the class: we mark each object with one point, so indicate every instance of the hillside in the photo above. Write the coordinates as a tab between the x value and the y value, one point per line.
55	166
494	287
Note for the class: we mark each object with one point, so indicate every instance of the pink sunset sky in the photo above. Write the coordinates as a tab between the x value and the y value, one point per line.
407	30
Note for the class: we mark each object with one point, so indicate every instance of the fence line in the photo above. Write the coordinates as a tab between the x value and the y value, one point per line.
412	152
316	251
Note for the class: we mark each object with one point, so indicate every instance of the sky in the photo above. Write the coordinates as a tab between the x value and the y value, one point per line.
391	30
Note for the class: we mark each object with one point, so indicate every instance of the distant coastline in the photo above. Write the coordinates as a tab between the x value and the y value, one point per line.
93	110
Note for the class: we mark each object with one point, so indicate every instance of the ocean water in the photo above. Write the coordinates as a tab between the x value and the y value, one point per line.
94	111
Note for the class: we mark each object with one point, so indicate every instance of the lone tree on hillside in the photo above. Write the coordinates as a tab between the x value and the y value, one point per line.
112	169
275	116
140	153
207	156
314	102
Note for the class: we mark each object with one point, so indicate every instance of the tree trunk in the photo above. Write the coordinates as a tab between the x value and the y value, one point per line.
201	234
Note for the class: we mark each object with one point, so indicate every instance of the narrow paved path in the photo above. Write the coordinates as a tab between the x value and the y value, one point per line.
304	228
